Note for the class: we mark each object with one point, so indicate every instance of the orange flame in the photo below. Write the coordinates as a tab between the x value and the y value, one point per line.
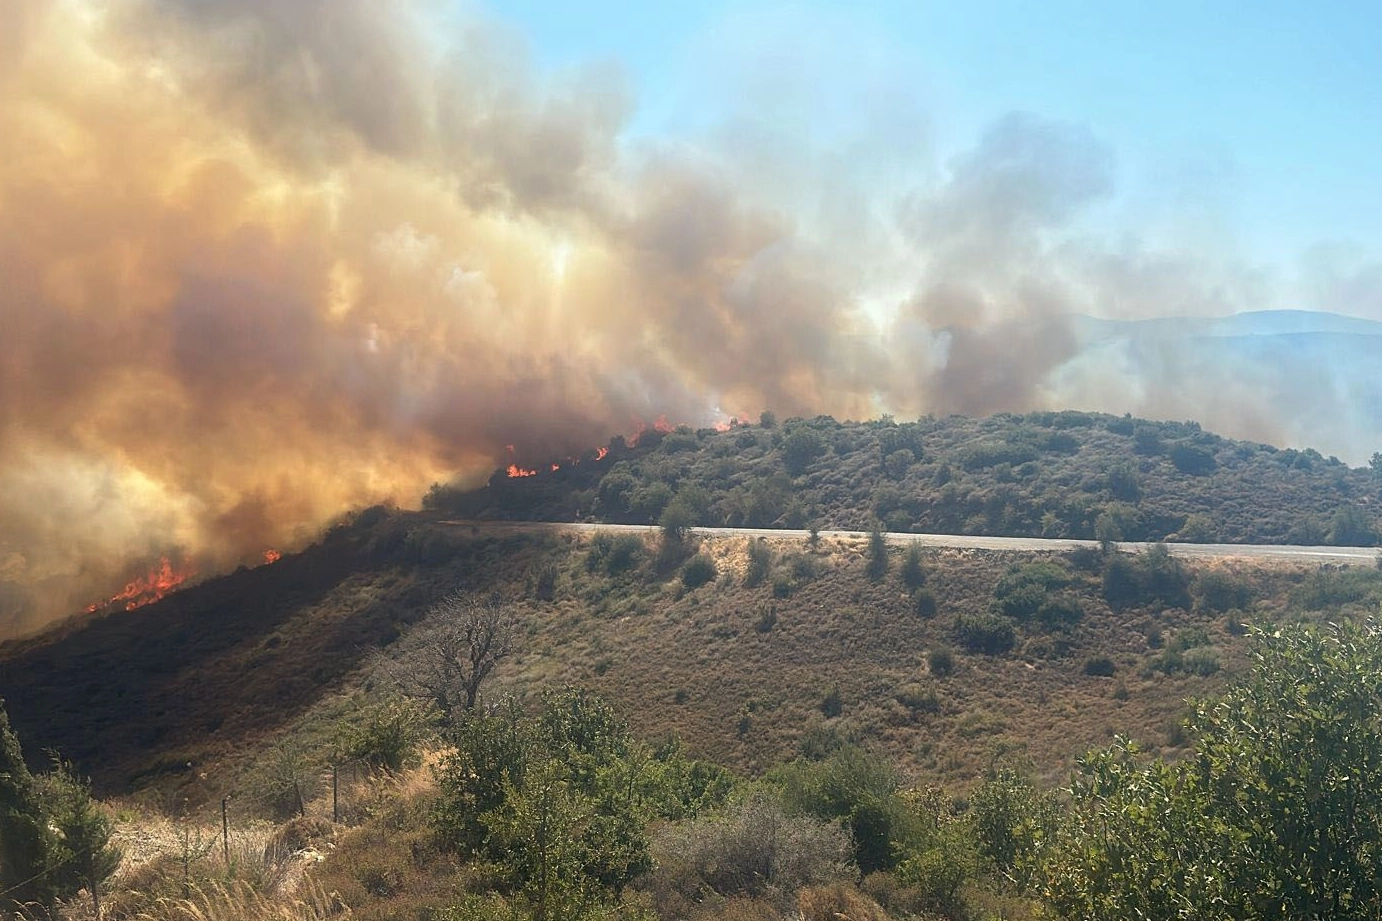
600	453
161	580
517	471
556	467
272	556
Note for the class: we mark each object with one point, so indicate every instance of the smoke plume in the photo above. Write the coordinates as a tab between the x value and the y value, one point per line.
264	261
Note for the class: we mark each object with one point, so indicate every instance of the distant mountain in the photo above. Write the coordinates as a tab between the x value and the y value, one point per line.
1289	377
1251	323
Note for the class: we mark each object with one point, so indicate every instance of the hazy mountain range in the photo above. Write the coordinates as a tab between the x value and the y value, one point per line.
1290	377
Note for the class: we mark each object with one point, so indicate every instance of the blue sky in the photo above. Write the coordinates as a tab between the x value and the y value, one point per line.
1257	126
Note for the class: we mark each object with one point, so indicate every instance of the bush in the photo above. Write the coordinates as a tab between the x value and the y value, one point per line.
385	735
800	447
857	788
832	705
1273	815
919	699
985	633
913	573
941	662
760	563
924	603
878	553
1219	593
1192	460
837	901
614	554
753	848
1013	825
1099	667
698	571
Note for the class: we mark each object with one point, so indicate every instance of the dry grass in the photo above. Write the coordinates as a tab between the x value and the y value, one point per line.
243	902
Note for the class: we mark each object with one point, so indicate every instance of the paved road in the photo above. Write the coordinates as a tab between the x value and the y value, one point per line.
1269	552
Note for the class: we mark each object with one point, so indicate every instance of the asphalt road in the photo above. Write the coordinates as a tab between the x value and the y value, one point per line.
1263	552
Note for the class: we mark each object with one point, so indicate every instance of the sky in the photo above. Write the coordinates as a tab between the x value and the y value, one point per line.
1254	127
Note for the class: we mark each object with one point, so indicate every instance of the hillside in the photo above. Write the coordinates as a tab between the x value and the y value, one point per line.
778	663
1064	474
175	695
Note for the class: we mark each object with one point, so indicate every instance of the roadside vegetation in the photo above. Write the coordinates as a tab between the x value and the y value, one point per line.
1044	474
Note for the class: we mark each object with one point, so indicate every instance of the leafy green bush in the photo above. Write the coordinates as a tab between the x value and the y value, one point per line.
384	735
559	802
614	554
985	633
1013	825
1273	815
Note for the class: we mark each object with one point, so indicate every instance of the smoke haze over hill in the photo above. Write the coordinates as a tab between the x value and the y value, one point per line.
264	261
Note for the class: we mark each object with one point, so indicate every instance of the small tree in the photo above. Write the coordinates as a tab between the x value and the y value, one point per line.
472	635
913	573
1275	814
29	847
878	553
54	839
85	832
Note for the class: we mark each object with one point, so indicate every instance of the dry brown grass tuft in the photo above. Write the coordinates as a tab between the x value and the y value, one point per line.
240	901
838	902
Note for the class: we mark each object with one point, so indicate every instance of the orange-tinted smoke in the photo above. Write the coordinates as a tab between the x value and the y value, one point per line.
264	261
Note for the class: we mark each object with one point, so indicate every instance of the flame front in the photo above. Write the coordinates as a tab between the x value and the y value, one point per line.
161	580
272	556
517	471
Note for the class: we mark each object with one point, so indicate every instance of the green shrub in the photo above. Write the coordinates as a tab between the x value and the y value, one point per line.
832	705
913	573
782	585
698	571
1099	667
760	563
941	662
924	603
985	633
1272	815
1219	592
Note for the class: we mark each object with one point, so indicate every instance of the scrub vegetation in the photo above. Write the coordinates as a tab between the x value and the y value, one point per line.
416	718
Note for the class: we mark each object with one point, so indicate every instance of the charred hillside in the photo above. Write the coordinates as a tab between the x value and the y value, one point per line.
1045	474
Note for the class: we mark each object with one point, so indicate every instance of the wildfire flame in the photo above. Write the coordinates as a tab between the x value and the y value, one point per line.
161	580
600	453
272	556
517	471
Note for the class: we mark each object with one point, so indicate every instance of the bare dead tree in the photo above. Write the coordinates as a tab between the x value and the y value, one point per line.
469	636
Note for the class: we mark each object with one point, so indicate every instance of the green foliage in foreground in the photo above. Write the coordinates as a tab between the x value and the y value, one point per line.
1277	814
54	839
560	801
